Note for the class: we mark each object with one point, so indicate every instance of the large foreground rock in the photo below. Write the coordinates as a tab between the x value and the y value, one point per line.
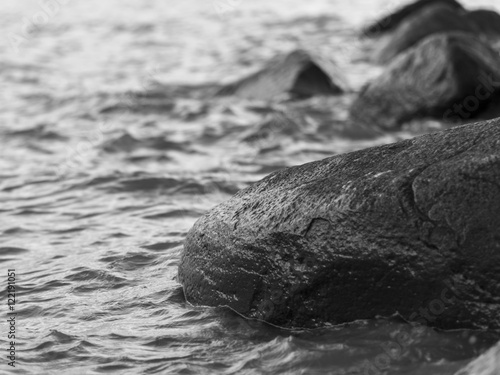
430	20
298	74
409	228
487	364
451	77
391	21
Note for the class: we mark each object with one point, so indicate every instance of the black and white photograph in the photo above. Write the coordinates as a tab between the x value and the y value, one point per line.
252	187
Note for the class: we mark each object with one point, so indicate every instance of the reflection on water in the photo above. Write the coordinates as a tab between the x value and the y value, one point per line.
106	164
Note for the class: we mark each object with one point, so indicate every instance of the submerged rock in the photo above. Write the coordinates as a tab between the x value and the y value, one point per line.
391	21
451	77
486	21
487	364
297	74
428	21
409	228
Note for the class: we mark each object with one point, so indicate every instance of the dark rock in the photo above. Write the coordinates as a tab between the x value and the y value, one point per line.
487	21
408	228
297	74
391	21
487	364
451	77
431	20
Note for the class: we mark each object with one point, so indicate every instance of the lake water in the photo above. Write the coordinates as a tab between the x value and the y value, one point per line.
98	189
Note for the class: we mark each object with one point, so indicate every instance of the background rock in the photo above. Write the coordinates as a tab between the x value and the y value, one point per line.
449	77
391	21
438	18
487	21
298	74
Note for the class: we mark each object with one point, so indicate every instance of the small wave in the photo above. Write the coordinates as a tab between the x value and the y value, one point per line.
27	183
175	214
124	142
113	368
140	106
172	185
139	181
61	337
190	91
71	230
162	245
148	158
99	277
41	289
10	253
320	22
55	338
127	143
130	261
38	132
12	250
150	183
16	230
29	211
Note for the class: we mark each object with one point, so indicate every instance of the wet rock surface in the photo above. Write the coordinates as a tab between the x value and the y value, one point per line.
452	77
409	228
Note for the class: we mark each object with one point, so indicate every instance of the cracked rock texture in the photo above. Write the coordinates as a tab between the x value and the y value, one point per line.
411	228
